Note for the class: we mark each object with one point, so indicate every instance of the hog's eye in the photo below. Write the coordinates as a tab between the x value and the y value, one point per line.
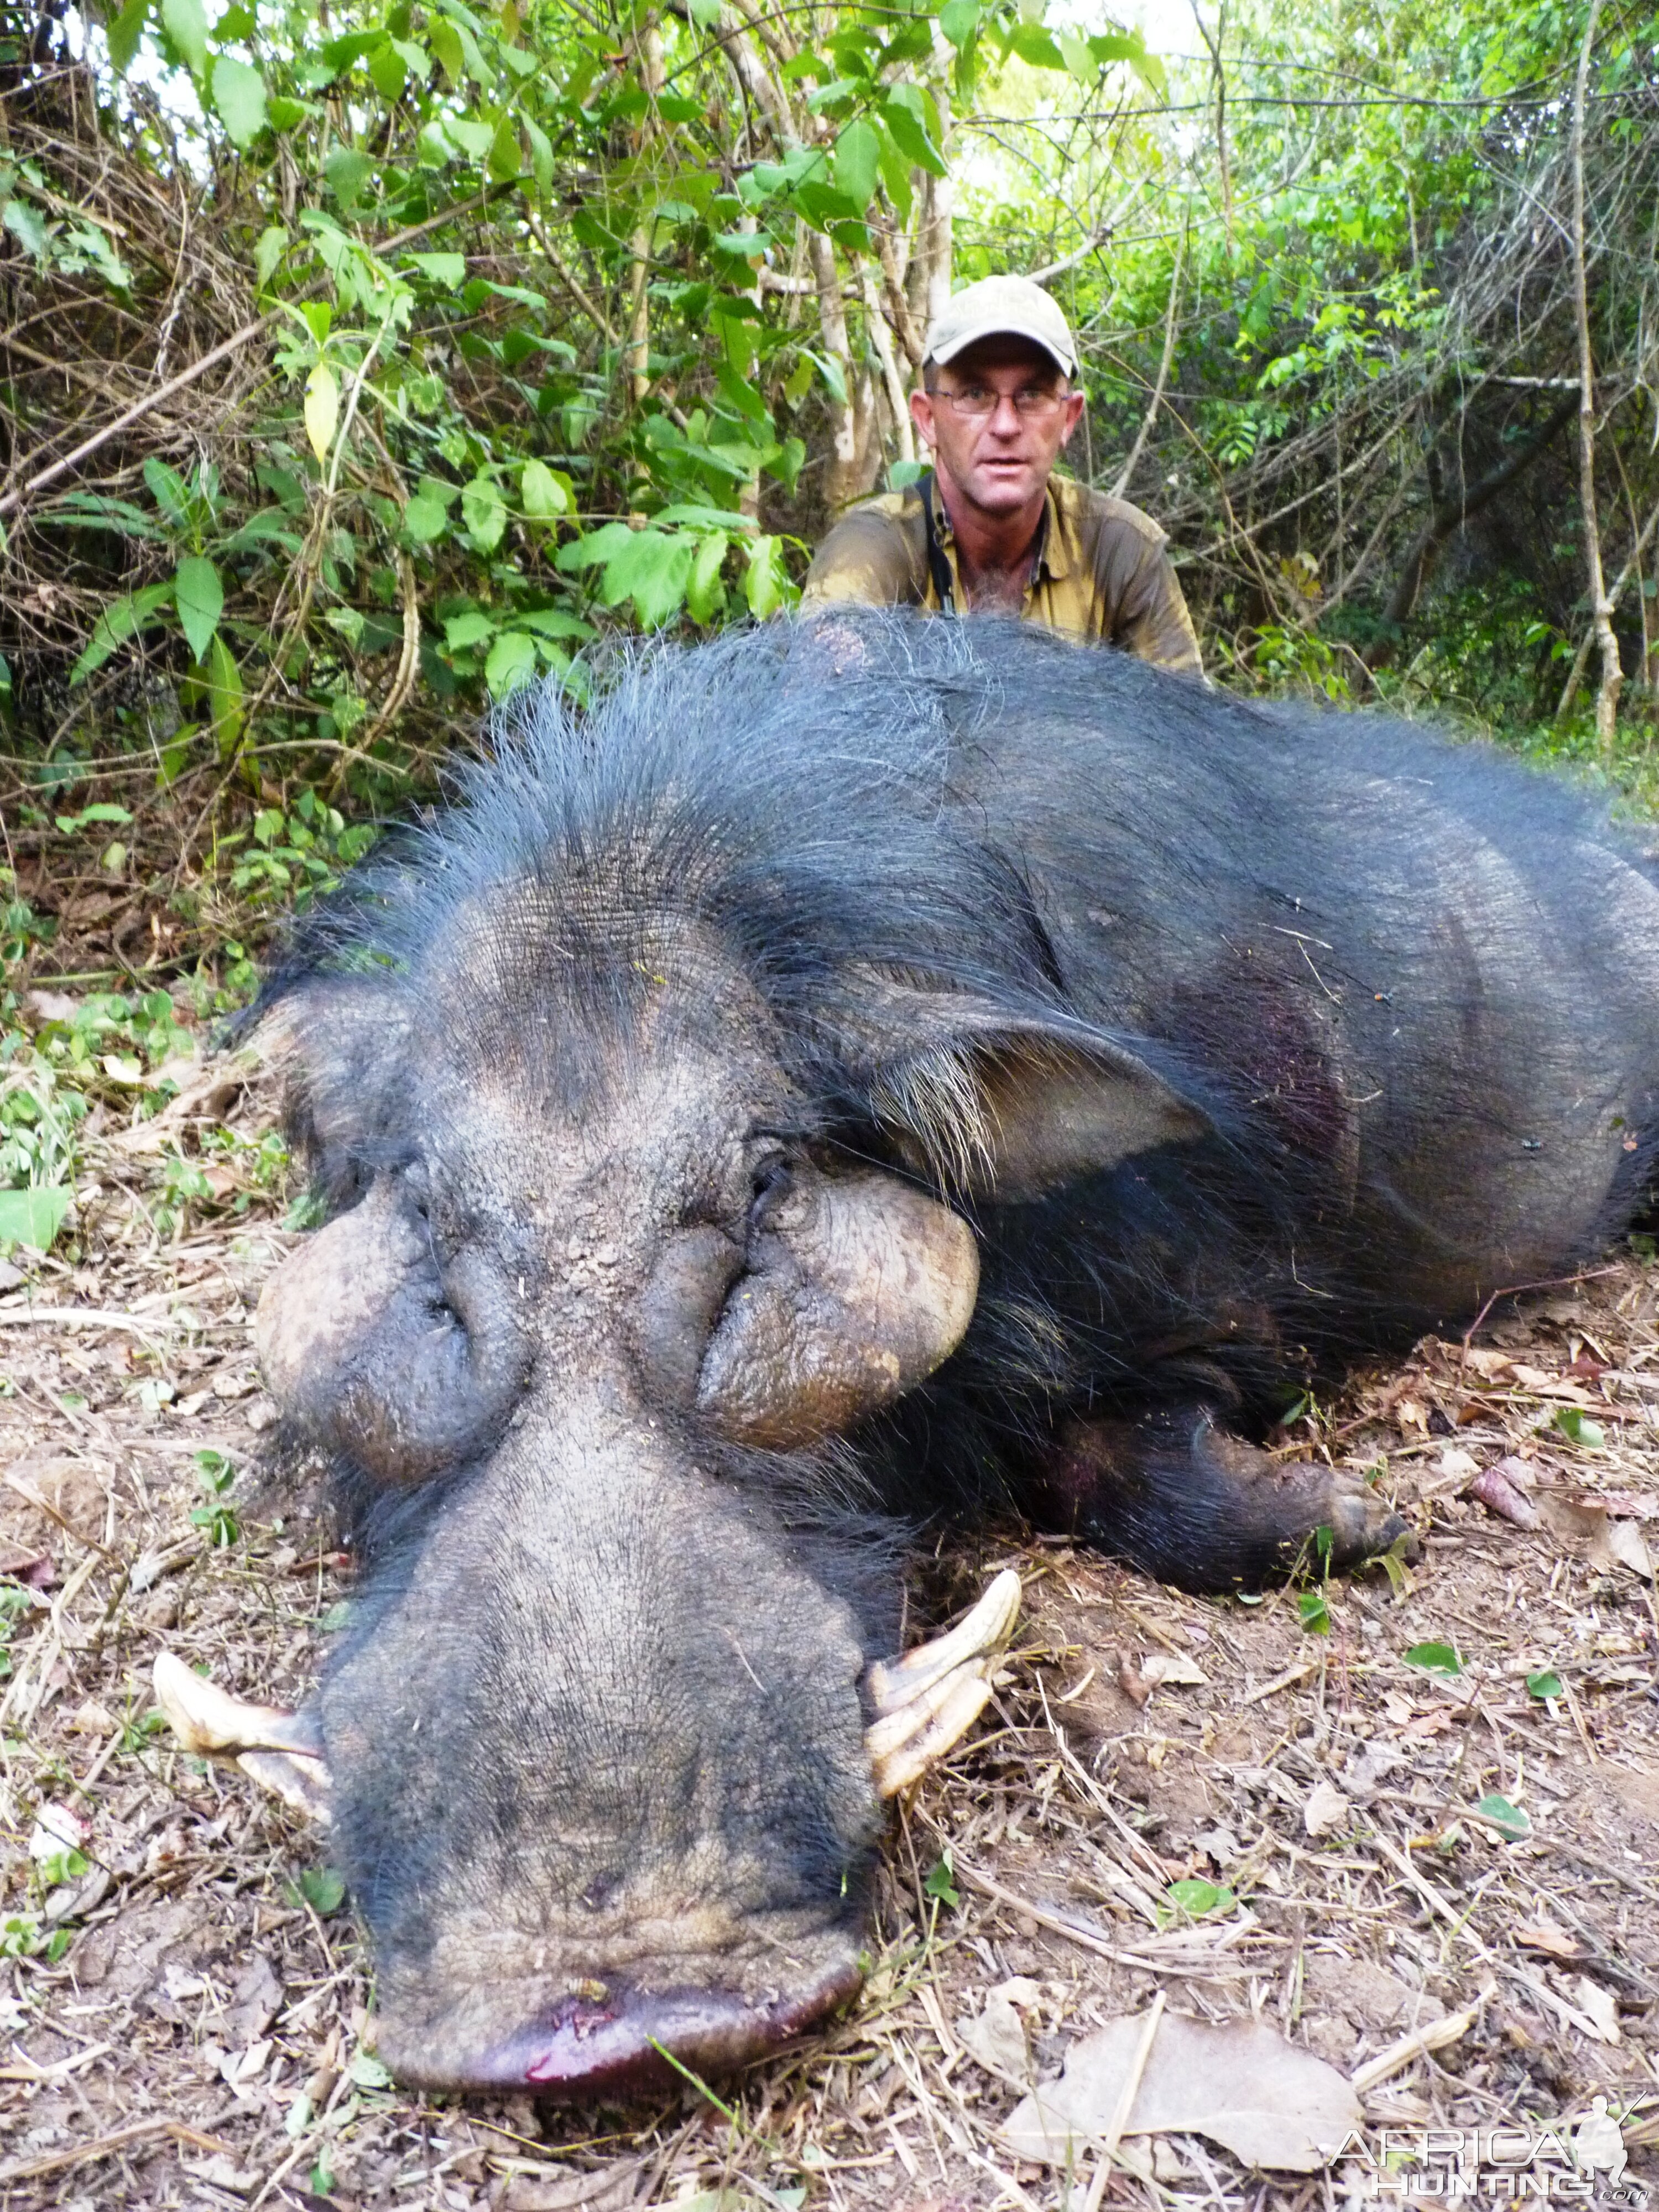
770	1185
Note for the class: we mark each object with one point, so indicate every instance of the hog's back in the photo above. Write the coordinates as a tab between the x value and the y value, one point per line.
1419	983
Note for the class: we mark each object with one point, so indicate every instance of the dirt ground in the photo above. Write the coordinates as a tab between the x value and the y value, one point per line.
204	2035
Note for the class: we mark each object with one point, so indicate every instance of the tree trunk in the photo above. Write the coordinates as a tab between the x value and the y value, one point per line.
1606	696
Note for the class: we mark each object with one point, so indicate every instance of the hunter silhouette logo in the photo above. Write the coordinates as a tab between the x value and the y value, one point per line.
1579	2160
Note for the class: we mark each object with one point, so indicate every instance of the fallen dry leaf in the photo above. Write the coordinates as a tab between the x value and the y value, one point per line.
1499	1495
1544	1935
996	2038
1597	2005
1163	1667
1239	2084
1325	1810
1621	1544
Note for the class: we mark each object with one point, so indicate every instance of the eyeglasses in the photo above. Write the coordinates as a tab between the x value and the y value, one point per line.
1031	402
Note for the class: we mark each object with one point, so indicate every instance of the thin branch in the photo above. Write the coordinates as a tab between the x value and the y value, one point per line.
1607	697
1120	488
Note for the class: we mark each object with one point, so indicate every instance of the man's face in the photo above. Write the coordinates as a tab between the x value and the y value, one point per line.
996	423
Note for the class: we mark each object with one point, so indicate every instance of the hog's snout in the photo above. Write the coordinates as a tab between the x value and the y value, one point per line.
608	2039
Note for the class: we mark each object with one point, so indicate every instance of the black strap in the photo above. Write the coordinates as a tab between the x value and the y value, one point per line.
938	566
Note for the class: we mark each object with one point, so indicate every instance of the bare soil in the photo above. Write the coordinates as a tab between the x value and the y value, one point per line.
206	2036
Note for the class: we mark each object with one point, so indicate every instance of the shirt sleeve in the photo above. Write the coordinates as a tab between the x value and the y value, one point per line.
1150	616
864	562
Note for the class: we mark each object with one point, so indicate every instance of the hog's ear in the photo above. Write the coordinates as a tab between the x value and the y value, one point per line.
1008	1109
858	1287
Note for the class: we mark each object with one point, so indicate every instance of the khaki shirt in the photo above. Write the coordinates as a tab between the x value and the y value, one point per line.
1101	571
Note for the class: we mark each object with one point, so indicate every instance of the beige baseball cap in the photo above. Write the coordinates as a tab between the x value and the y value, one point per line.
997	307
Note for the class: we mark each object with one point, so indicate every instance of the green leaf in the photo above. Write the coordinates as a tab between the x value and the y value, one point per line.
224	697
463	631
425	519
1545	1683
959	20
541	153
31	1217
365	2071
187	25
1509	1820
1199	1898
1435	1659
905	117
703	594
273	244
239	94
857	163
504	160
484	512
446	271
704	12
445	41
766	580
546	496
512	662
346	172
124	32
27	225
387	71
1575	1425
940	1882
120	620
653	569
592	548
200	598
1036	46
1314	1612
323	1889
830	370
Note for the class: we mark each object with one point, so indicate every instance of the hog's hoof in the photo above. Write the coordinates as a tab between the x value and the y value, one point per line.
1362	1526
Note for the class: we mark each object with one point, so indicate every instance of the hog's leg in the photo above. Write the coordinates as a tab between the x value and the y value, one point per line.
1193	1505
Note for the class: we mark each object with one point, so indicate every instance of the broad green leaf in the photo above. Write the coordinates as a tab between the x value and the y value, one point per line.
541	153
766	583
366	2072
322	408
705	13
484	512
905	117
446	271
652	568
857	163
387	71
504	157
27	225
1577	1426
169	491
347	171
425	519
120	620
959	20
124	32
1510	1820
187	25
512	662
273	244
200	598
830	370
445	41
1545	1683
473	138
1314	1612
1199	1898
545	496
1435	1659
703	594
939	1882
224	697
1036	46
323	1889
552	622
592	548
31	1217
463	631
239	94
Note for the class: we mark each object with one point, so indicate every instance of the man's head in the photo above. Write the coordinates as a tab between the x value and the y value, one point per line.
997	402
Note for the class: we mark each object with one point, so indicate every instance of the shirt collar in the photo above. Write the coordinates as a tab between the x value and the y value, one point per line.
1055	556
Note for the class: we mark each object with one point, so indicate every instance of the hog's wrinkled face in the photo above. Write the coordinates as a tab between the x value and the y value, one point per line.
595	1741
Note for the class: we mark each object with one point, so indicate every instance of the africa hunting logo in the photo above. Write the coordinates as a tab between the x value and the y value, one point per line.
1581	2162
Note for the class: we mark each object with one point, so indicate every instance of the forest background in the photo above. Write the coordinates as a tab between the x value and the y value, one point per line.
360	362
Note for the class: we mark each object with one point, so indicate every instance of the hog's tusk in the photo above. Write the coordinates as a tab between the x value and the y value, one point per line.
275	1749
927	1701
